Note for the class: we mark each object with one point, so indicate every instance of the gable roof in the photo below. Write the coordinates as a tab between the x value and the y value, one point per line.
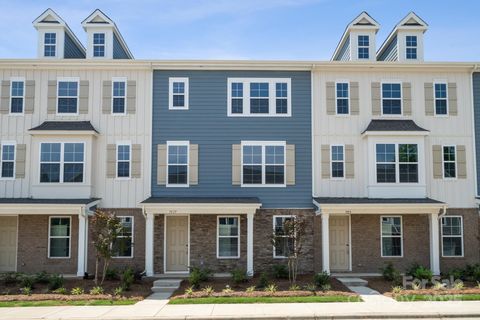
362	21
51	18
97	17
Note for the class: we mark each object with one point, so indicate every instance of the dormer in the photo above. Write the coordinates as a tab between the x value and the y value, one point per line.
55	39
405	42
104	40
358	40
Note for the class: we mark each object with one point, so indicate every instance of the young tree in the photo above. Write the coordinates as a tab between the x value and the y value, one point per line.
105	229
291	239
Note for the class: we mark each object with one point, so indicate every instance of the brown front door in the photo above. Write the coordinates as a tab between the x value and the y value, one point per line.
177	243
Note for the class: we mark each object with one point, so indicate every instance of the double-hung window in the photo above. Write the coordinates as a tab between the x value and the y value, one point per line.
284	243
17	96
7	160
178	94
342	97
411	47
67	97
363	47
123	245
259	97
228	237
263	163
123	160
62	162
50	44
391	236
391	98
99	44
449	162
118	96
452	236
391	168
337	161
59	234
177	163
441	100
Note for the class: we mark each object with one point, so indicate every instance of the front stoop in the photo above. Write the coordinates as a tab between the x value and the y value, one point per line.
166	285
353	282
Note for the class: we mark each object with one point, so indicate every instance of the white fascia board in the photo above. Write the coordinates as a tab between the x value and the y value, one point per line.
200	208
380	208
62	133
395	133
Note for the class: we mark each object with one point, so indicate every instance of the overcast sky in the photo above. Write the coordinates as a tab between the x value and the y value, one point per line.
246	29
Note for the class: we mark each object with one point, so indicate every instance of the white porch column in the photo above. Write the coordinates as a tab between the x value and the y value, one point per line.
325	242
250	244
434	244
149	222
82	243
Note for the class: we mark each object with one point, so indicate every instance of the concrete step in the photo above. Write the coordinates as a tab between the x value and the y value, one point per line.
164	289
172	275
353	282
167	283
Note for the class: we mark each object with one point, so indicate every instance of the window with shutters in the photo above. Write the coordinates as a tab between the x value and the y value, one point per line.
391	99
363	47
337	153
256	97
62	162
396	163
119	94
177	163
17	96
342	96
7	160
449	159
99	45
123	245
411	47
67	96
50	44
228	237
391	236
263	164
124	156
441	99
452	236
59	237
178	94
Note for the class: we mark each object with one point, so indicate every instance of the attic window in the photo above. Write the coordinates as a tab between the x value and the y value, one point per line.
99	44
49	44
363	47
411	46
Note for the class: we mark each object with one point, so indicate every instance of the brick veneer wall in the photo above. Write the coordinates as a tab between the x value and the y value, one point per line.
158	240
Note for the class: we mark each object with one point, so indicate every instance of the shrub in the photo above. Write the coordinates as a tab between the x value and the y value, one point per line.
61	290
77	291
56	281
294	287
239	276
271	288
118	291
42	277
438	286
310	287
411	270
262	281
456	273
397	289
227	290
95	291
280	271
326	287
28	282
208	290
128	278
112	274
189	291
472	272
198	275
321	279
391	274
11	278
26	290
250	289
459	285
423	273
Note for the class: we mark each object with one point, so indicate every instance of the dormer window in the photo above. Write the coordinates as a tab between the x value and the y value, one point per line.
99	44
50	44
411	47
363	47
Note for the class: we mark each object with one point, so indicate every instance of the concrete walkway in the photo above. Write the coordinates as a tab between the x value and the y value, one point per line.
358	310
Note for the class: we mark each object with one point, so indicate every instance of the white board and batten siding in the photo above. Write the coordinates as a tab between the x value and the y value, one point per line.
135	128
444	130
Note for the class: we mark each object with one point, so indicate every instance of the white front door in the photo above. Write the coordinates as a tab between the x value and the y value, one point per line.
8	243
339	243
176	244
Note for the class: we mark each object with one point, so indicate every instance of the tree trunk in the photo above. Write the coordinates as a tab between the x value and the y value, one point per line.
105	267
97	262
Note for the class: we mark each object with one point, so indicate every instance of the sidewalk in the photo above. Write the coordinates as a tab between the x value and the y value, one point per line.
160	310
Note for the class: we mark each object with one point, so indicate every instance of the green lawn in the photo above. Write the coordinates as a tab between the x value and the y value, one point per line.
224	300
51	303
427	297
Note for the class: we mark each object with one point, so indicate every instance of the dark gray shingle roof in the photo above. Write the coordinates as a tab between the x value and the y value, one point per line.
243	200
65	126
327	200
393	125
46	201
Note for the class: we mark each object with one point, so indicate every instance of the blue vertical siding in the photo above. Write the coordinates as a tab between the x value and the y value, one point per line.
390	53
476	112
206	124
118	51
71	50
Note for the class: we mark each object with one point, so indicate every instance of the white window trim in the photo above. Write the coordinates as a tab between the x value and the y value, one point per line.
336	98
70	79
363	46
435	99
62	163
124	113
132	237
411	47
451	236
401	98
272	97
8	143
170	93
129	144
264	144
179	143
382	236
397	164
55	45
55	237
443	162
219	236
104	45
331	162
274	233
16	79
